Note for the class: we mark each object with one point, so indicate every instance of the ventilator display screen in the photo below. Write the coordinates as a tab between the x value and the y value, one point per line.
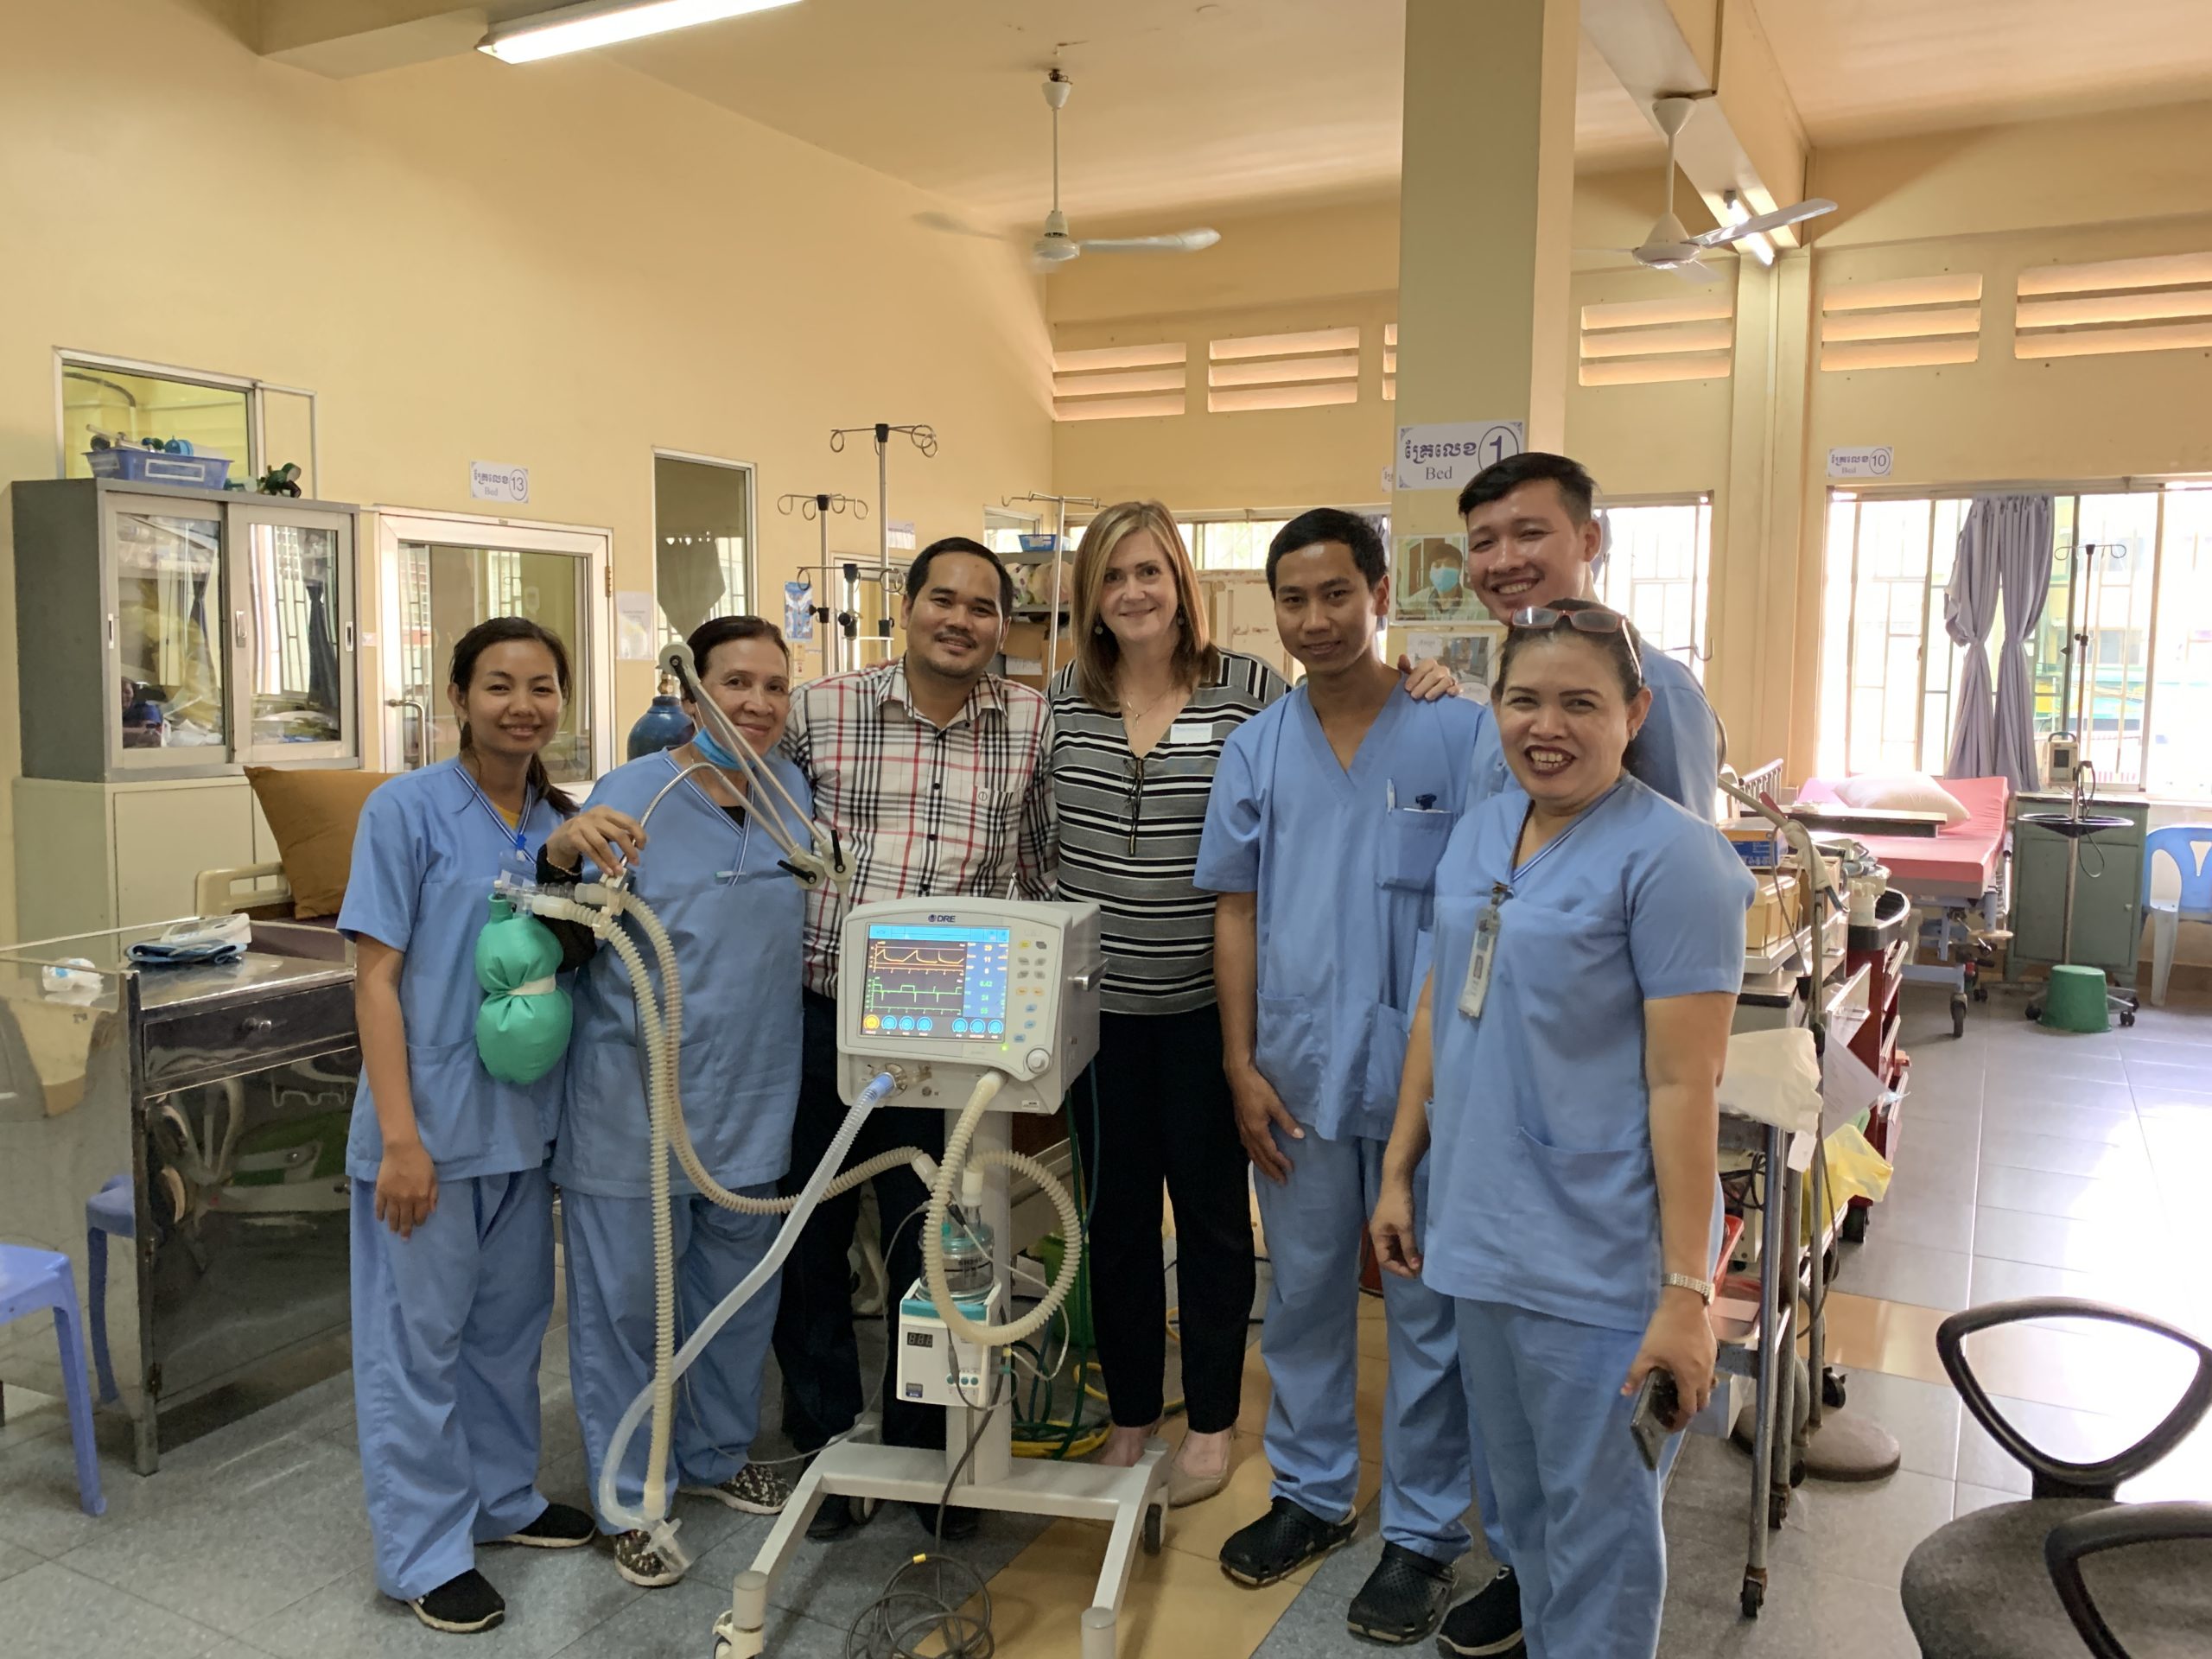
936	981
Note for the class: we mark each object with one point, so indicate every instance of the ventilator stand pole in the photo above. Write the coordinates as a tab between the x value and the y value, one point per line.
925	438
818	506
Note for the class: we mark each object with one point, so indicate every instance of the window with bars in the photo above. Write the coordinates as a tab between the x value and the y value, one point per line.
2122	656
1657	568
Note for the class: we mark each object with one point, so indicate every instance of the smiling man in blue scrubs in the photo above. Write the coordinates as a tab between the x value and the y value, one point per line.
1329	812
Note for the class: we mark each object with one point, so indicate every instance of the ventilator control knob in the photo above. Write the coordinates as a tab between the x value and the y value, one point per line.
1039	1060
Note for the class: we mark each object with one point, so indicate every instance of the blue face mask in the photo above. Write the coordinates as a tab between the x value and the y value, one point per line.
1444	579
703	741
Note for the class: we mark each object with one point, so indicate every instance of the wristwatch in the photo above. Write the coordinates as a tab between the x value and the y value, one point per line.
1703	1288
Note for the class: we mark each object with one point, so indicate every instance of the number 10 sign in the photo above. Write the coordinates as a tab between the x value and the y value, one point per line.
1445	455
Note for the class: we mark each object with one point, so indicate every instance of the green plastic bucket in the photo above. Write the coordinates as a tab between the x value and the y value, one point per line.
2075	1000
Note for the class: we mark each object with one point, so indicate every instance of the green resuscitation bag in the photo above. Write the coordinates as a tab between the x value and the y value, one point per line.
522	1030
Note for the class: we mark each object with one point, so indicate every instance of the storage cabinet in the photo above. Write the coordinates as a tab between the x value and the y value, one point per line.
168	633
2107	897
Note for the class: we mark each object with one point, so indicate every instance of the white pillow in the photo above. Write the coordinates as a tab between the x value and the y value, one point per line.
1902	791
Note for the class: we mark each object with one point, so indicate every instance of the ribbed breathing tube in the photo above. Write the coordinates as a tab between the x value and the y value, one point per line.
601	908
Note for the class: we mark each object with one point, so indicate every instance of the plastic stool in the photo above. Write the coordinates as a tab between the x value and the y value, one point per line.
2075	1000
31	1280
108	1210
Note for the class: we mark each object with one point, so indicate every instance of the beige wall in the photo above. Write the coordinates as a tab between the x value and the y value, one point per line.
559	267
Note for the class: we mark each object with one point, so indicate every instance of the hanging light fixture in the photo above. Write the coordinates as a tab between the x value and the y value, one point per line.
597	22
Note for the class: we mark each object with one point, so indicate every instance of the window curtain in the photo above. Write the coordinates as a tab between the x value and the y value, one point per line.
2004	549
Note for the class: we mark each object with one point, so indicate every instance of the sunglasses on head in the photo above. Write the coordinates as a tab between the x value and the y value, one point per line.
1542	618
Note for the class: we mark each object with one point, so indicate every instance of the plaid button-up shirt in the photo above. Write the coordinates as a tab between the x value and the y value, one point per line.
922	810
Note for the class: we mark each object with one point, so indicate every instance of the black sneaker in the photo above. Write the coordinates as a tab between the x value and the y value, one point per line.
839	1516
562	1526
1403	1597
1280	1542
461	1607
960	1525
1488	1623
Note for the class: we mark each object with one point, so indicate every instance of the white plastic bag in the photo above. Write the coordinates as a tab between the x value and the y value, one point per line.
1773	1077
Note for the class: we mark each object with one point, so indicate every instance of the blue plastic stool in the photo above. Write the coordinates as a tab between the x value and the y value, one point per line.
31	1280
108	1210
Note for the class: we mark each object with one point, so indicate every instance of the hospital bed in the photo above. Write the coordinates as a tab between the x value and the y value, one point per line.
1956	880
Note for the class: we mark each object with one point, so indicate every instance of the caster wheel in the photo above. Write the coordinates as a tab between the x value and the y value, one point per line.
2034	1011
1777	1511
2127	1017
1834	1391
1156	1529
1754	1598
1958	1016
1854	1225
1797	1479
1981	993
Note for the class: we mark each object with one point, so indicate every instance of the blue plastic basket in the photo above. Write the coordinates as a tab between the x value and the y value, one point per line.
134	465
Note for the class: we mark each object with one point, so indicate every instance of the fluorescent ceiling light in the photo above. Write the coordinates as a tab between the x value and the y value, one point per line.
1736	212
581	28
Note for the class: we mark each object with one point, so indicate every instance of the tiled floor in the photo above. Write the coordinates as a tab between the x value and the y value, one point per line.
2032	1164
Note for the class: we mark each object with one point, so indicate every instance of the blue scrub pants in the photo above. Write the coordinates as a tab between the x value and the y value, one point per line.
447	1329
1581	1510
1314	1225
610	1256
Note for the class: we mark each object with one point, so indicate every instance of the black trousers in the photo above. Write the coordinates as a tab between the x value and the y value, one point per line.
1165	1113
816	1348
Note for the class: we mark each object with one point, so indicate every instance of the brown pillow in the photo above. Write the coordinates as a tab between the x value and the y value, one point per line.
313	814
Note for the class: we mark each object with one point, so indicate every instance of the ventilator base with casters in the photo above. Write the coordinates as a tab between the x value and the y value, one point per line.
1135	1500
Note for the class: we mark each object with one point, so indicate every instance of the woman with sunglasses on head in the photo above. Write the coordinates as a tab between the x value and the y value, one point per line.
1139	719
1588	950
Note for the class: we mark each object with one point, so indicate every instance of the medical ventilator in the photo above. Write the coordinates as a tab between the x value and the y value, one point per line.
994	1002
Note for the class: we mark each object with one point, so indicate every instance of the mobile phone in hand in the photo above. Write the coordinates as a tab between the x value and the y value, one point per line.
1657	1399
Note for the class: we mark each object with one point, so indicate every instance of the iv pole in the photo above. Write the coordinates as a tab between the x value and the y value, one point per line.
1060	566
819	506
925	438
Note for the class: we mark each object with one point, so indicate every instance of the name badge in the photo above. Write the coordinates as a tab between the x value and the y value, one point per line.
1190	731
1479	962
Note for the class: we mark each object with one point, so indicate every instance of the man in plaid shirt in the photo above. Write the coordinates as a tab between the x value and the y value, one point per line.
931	770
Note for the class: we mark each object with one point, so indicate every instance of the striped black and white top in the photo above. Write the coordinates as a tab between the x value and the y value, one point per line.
1129	832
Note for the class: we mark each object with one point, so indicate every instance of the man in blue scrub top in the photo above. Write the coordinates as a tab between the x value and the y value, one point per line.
1329	813
1533	540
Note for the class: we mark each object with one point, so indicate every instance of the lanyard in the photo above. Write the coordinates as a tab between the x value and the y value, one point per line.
1483	956
516	834
743	831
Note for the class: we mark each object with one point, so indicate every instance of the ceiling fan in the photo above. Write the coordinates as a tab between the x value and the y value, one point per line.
1669	246
1053	245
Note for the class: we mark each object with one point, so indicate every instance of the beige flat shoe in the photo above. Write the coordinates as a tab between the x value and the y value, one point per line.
1185	1489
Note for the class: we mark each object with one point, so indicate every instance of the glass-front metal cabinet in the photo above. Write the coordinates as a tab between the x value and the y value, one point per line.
168	633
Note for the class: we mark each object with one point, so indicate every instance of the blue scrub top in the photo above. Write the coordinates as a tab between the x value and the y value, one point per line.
1677	753
1344	863
734	916
1542	1191
429	847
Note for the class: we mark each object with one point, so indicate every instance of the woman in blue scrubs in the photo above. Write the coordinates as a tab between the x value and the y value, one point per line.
1588	949
734	913
452	1234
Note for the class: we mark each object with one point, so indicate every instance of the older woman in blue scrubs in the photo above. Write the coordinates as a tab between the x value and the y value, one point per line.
1588	948
452	1236
712	876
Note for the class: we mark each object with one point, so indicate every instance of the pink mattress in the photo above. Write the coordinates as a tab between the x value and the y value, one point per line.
1959	862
